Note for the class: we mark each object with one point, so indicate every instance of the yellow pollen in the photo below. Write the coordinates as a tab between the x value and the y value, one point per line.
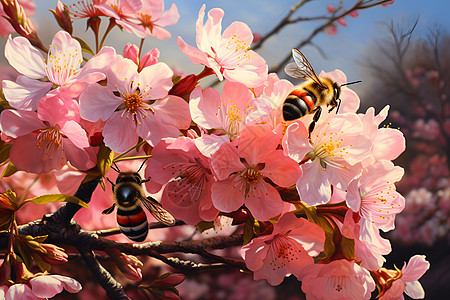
132	101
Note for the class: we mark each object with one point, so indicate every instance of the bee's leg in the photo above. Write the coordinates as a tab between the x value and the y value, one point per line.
335	103
112	183
316	117
109	210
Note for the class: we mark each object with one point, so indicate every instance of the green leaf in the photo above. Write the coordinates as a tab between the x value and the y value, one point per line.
105	158
85	47
348	247
56	198
329	247
202	226
4	151
248	231
9	170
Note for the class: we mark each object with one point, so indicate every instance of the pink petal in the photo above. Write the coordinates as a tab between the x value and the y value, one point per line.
255	252
38	160
95	68
350	101
15	123
20	291
249	75
415	290
226	161
209	144
314	187
69	284
257	143
25	93
196	56
46	286
153	130
122	75
173	110
119	133
342	22
240	31
213	27
331	30
76	134
388	144
98	102
282	170
25	58
203	105
227	196
295	142
169	17
264	201
156	81
416	267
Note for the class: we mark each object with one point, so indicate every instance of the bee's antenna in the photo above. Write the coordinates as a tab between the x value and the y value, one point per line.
142	165
115	167
353	82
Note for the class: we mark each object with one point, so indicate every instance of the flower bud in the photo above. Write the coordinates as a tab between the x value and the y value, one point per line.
55	255
21	23
129	265
384	278
184	86
62	16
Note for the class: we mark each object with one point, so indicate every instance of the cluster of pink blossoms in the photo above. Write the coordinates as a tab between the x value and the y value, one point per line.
322	199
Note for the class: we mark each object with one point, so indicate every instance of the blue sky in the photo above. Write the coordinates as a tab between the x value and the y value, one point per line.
343	51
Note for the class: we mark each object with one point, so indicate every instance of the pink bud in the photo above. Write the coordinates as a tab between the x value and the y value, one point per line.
256	37
354	14
149	58
55	255
331	8
131	52
342	22
62	16
184	86
386	4
129	265
331	30
170	280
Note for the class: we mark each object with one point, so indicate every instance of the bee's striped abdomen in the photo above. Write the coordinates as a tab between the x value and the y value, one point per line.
133	223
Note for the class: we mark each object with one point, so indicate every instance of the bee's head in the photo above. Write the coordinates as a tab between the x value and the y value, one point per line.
129	177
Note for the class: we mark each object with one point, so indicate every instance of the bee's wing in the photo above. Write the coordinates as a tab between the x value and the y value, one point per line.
155	208
301	68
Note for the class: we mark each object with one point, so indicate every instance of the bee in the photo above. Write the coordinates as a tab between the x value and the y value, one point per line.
128	197
309	97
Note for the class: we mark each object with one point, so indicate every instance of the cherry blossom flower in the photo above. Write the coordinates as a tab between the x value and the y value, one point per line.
373	196
339	279
226	115
408	280
142	18
135	105
333	153
386	4
331	29
62	69
227	54
287	250
388	143
51	137
185	176
241	173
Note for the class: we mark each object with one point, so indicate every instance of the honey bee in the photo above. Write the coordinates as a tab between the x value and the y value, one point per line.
309	97
128	197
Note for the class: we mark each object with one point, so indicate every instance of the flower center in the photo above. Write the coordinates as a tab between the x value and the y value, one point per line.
328	148
132	101
284	250
234	118
51	140
251	176
189	181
